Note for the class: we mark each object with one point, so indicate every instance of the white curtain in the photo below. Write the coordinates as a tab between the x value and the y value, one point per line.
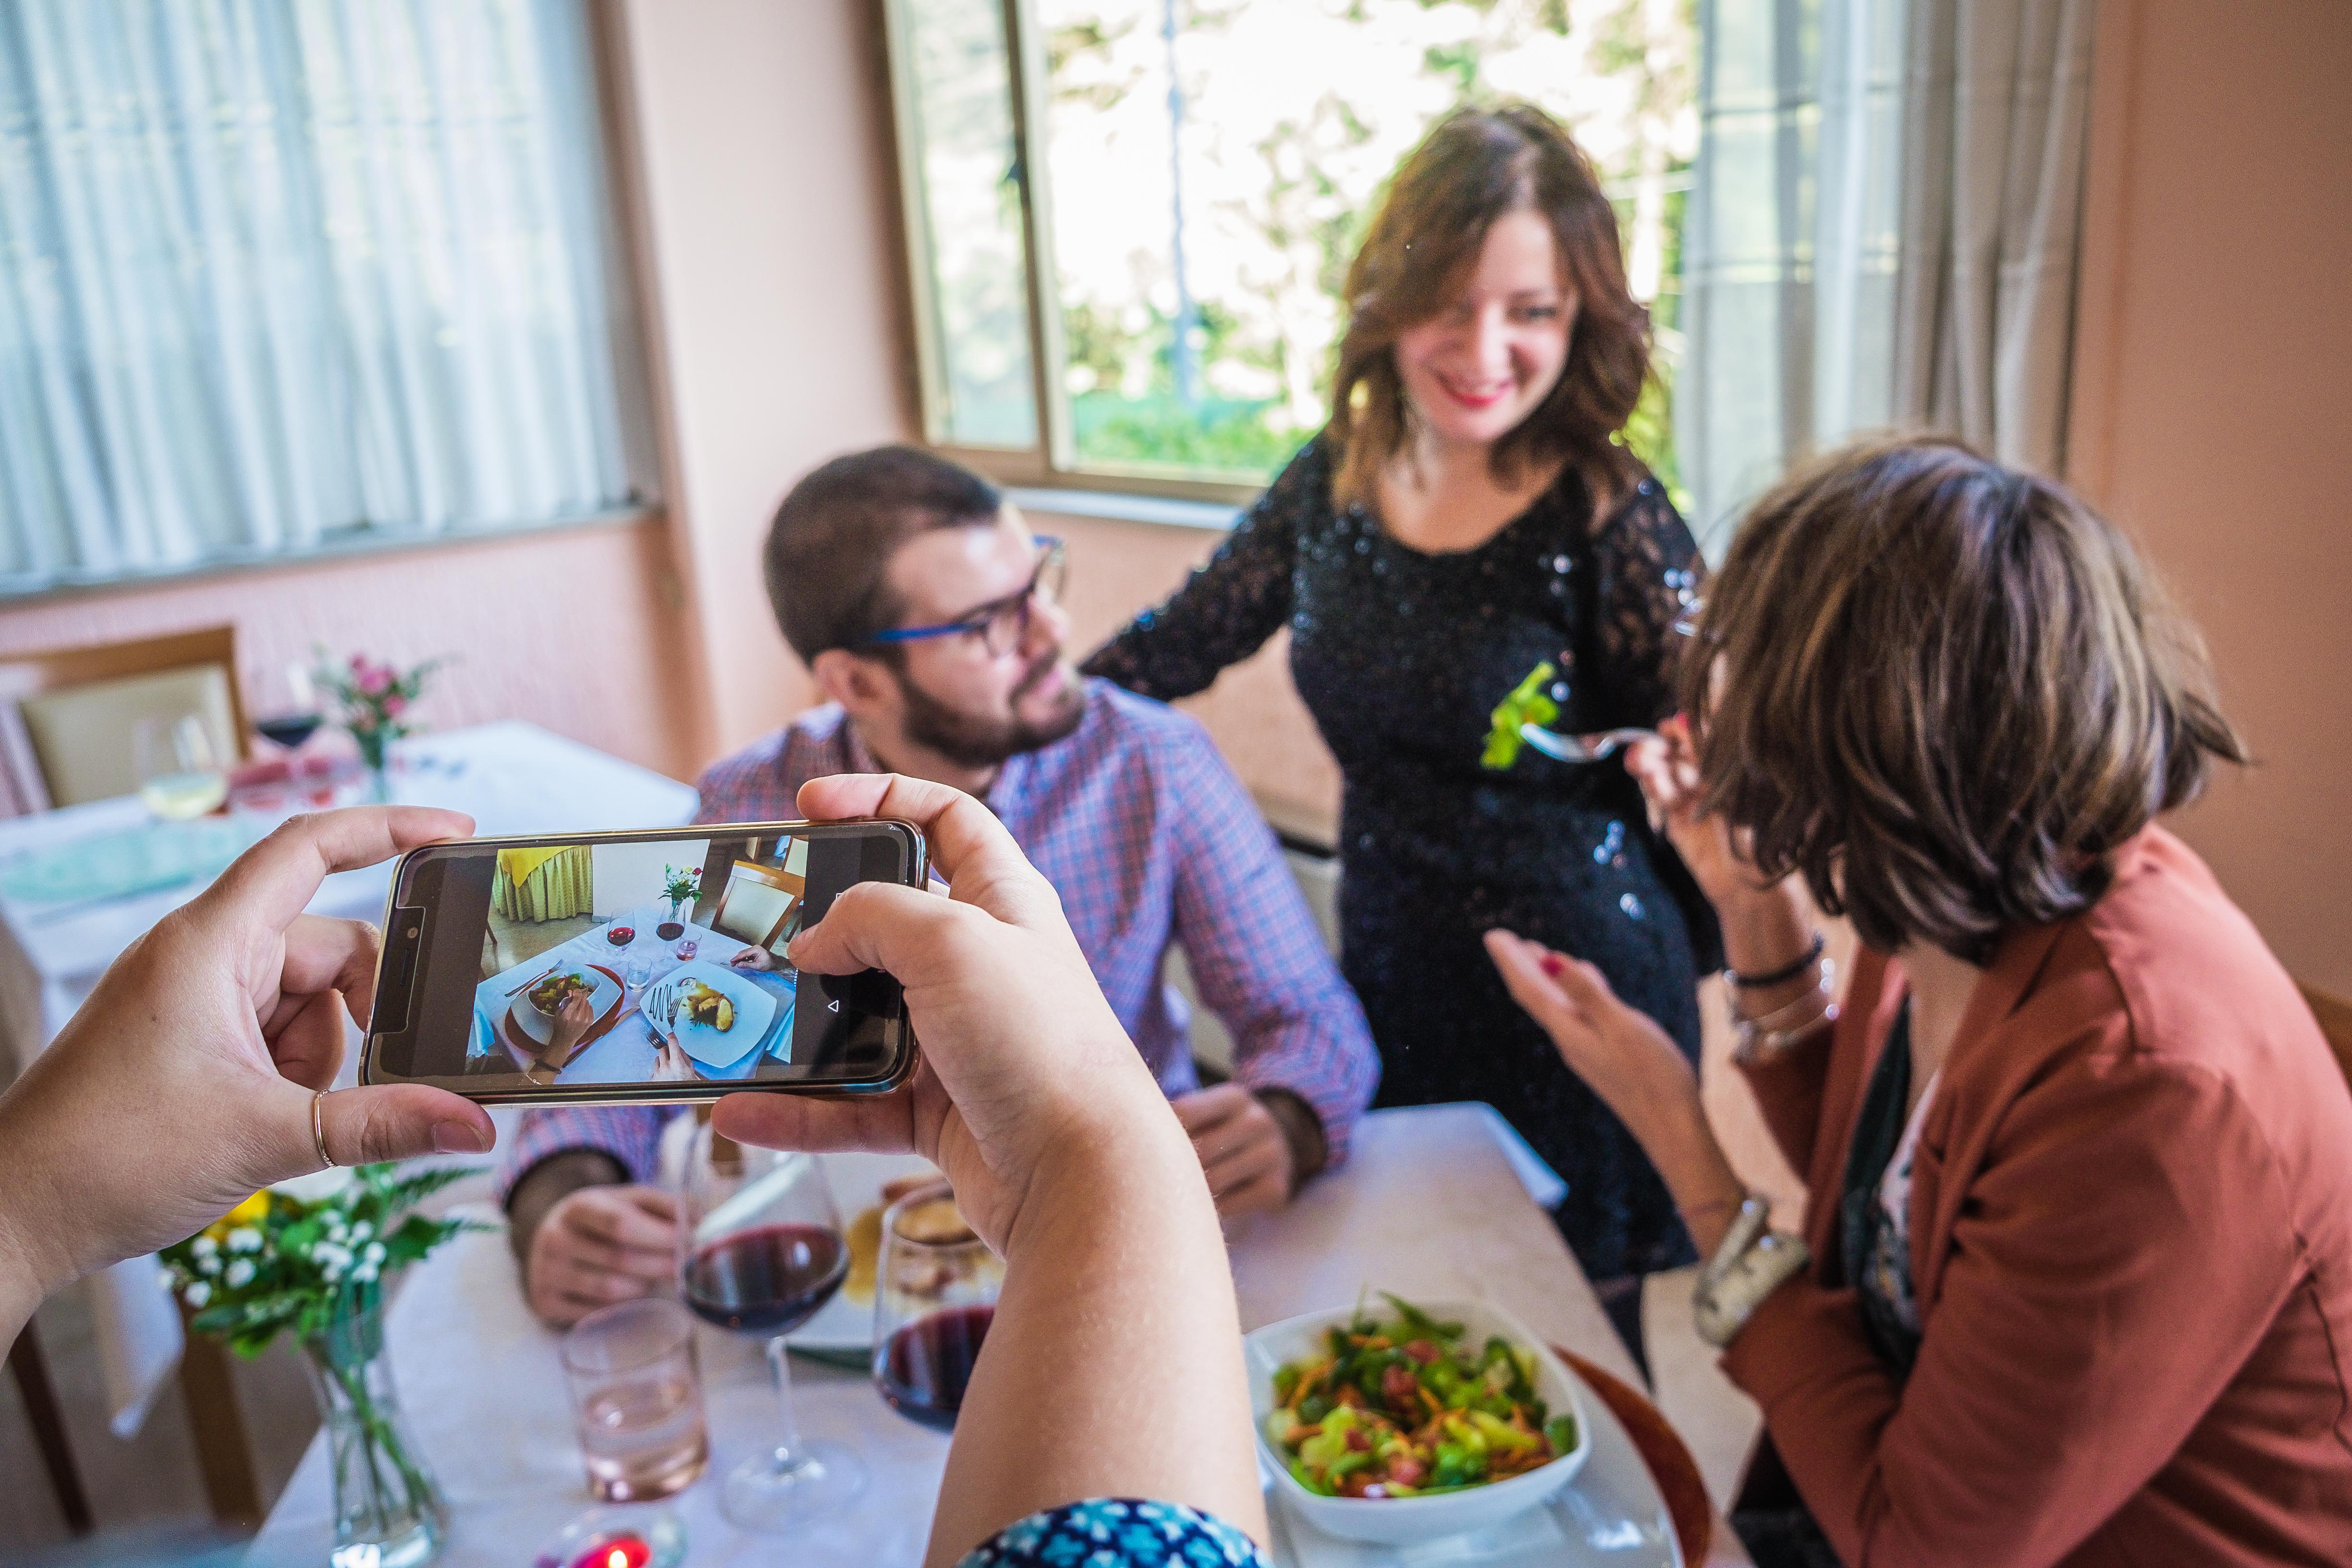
1998	113
271	270
1881	231
1790	242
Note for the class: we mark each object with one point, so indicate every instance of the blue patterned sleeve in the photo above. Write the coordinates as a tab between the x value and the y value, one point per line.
1117	1532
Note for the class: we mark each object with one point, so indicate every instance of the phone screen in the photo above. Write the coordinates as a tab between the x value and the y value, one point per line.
633	966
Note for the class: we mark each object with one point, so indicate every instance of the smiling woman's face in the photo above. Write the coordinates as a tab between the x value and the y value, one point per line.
1481	365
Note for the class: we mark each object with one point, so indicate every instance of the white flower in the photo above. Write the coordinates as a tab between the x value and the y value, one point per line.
203	1246
327	1255
239	1273
209	1263
245	1238
361	1231
363	1274
197	1294
375	1252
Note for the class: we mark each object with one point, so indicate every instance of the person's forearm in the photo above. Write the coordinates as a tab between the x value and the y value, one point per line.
1675	1133
1302	1130
1764	932
29	1269
1113	1366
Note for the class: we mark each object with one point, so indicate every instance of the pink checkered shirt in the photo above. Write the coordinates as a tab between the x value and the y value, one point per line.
1150	839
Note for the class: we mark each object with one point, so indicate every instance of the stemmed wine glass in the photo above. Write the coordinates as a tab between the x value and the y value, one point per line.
294	713
935	1296
762	1252
181	774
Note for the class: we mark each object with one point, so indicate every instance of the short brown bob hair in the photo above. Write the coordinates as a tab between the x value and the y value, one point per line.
1945	692
1474	166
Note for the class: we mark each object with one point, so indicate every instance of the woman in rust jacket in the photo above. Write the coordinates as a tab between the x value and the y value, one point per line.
2075	1281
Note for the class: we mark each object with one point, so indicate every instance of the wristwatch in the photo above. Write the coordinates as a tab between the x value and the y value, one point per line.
1752	1263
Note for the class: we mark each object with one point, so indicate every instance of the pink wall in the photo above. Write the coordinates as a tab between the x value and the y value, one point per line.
2213	411
576	629
758	150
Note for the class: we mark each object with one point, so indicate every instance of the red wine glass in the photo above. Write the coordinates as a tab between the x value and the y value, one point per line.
762	1252
935	1295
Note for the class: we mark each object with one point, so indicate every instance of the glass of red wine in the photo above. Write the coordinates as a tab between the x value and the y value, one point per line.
935	1294
763	1250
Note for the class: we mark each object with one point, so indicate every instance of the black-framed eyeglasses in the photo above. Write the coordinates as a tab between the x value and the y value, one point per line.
1001	624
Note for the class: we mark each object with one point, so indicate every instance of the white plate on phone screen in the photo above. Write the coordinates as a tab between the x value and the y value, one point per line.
844	1328
755	1009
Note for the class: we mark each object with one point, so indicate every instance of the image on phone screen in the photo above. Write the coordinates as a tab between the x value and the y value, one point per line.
645	962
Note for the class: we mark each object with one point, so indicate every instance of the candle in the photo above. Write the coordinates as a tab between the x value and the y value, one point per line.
615	1552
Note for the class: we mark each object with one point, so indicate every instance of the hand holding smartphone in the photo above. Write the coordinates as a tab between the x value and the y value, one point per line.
632	968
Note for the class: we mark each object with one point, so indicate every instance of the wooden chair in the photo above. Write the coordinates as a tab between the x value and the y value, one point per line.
758	902
67	715
48	1423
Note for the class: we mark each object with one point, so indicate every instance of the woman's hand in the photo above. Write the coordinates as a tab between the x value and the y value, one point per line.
757	959
672	1065
185	1081
1022	1060
573	1020
1667	770
1636	1070
1117	1311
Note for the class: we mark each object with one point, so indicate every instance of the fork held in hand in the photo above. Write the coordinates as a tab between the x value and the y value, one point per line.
1590	748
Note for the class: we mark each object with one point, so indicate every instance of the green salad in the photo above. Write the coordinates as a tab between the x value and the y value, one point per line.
1407	1406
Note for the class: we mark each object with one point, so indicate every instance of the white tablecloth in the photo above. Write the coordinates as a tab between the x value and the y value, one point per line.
512	777
1428	1206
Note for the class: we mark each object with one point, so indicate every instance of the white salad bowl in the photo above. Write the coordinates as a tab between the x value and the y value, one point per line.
1398	1521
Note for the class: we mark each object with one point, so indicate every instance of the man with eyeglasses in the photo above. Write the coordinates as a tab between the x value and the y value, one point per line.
930	617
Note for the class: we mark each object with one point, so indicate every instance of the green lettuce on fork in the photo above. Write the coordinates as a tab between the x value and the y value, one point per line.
1405	1407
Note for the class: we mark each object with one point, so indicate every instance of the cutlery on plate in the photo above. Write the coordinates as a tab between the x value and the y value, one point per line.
536	978
1582	747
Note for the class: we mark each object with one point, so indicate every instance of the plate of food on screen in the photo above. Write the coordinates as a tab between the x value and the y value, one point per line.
532	1014
718	1014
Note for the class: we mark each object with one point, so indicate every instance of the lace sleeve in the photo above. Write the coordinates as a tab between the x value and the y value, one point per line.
1650	572
1228	606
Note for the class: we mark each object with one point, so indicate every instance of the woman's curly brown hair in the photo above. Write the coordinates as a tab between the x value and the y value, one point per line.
1474	166
1945	692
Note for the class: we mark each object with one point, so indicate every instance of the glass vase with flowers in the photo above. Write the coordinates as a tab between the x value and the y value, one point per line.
313	1257
372	700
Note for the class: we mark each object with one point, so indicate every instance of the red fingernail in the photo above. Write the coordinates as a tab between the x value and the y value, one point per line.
1554	965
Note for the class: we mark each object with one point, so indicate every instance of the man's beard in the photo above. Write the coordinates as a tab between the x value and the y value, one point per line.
972	743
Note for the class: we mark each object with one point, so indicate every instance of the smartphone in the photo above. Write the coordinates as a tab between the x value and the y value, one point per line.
635	968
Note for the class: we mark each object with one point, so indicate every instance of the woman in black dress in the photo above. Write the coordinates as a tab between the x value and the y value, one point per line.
1465	519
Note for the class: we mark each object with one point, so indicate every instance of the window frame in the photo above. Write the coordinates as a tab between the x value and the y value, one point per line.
1052	463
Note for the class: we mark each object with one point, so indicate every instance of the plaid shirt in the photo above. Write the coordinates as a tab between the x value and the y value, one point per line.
1150	839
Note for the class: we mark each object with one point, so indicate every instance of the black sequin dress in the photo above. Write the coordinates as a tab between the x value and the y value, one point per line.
1402	656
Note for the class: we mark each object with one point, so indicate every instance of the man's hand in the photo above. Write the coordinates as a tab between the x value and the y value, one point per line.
1243	1149
753	958
598	1246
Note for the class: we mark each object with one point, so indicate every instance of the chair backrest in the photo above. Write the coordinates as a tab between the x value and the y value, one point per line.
2335	1016
757	902
65	735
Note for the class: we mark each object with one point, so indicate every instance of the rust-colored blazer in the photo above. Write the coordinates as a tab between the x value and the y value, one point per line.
2131	1233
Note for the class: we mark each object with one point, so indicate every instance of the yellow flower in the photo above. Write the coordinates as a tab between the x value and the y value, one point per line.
253	1211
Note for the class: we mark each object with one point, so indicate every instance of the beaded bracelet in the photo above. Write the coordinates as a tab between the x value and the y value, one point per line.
1782	975
1756	1040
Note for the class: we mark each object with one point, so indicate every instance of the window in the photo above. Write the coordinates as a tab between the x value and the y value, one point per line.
286	275
1131	218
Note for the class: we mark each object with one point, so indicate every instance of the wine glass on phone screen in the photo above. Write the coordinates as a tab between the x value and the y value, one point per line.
935	1296
763	1250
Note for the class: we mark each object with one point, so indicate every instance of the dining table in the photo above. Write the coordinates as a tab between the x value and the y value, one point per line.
1428	1205
511	777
